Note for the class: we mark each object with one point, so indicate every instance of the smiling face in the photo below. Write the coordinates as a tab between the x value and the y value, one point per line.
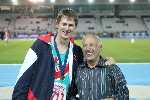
65	27
91	47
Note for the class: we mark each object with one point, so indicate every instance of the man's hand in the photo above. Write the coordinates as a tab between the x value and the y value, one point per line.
110	61
107	99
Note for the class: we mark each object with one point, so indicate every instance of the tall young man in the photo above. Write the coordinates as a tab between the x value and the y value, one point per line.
50	66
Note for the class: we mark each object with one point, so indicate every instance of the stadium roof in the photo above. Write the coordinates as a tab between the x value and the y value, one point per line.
76	2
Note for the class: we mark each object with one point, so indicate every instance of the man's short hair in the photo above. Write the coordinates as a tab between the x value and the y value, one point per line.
92	35
67	12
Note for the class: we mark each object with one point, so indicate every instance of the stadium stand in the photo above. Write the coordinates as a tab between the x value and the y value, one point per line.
123	26
147	22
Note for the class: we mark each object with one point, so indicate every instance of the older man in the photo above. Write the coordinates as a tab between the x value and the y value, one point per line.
95	79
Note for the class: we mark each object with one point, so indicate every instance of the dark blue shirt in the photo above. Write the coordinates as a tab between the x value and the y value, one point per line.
101	82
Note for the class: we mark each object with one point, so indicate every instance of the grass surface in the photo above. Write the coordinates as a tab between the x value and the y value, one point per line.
122	50
14	51
125	51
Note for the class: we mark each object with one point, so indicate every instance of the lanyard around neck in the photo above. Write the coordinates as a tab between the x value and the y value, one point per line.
61	66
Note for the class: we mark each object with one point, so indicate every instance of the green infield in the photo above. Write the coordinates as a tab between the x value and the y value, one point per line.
122	50
14	51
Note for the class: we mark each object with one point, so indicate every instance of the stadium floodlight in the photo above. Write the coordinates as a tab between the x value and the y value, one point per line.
71	1
40	0
33	1
90	1
15	2
132	1
111	1
36	1
52	1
